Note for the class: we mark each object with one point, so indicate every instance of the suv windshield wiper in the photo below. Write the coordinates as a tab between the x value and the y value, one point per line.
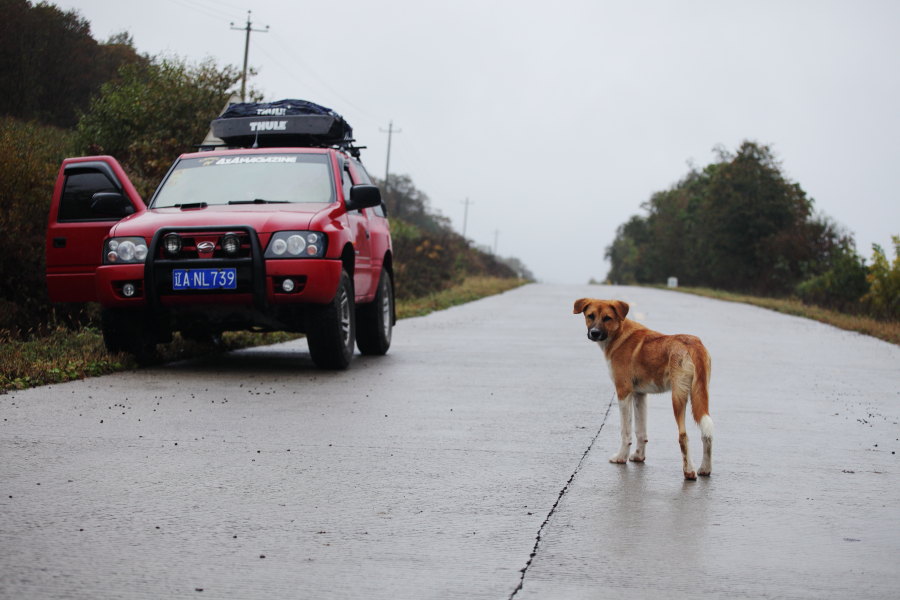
258	201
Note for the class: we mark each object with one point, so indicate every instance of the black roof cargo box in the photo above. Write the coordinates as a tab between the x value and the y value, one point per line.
281	123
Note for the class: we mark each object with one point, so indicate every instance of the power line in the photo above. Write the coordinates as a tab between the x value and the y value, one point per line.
277	62
201	9
248	29
215	5
315	75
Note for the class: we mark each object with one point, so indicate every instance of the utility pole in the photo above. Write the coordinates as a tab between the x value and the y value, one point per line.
248	29
467	202
387	167
496	235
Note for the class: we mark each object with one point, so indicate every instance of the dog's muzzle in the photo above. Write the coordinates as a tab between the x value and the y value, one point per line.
596	335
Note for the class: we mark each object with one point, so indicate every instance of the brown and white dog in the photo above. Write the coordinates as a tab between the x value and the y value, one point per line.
641	362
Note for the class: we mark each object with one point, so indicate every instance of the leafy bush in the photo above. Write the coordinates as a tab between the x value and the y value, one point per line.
426	262
841	287
883	298
428	255
30	155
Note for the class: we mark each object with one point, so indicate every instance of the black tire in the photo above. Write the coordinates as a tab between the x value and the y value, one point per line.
331	333
129	331
375	321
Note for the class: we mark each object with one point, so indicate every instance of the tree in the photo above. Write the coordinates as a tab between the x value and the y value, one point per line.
403	200
738	224
752	224
625	253
153	112
50	66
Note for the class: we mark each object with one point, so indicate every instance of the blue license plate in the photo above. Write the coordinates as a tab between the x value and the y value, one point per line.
204	279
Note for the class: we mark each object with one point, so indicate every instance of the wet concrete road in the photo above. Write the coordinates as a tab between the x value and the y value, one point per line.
438	470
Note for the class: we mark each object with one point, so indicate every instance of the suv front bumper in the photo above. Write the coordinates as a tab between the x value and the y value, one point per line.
260	281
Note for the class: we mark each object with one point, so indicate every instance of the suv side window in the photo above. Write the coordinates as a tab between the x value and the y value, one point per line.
363	177
78	193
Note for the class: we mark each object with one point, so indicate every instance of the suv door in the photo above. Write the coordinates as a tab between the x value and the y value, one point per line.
379	229
92	194
363	281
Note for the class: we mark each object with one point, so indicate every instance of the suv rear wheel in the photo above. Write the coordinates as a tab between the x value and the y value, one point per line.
376	320
331	333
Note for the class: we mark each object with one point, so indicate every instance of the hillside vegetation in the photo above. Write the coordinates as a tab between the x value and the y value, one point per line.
144	111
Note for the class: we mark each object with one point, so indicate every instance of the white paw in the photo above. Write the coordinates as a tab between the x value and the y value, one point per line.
619	459
637	456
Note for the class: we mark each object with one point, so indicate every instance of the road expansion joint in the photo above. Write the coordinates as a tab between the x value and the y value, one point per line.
562	493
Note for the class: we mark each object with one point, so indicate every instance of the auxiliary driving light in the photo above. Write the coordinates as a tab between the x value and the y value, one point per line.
288	285
128	290
172	242
231	244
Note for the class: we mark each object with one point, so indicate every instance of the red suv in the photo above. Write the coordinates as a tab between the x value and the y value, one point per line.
288	234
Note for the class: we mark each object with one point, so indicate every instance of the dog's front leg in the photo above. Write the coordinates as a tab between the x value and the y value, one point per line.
626	404
640	427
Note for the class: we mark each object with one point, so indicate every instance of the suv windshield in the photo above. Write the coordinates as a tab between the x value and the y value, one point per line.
248	179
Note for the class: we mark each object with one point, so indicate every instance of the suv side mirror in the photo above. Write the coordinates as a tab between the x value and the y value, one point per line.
110	204
363	196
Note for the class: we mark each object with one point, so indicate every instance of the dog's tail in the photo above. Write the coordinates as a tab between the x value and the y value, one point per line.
700	388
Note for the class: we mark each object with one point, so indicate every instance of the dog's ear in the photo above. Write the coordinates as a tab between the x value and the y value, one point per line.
580	305
620	307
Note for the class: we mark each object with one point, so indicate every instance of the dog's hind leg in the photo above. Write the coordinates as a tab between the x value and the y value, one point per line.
706	434
640	427
679	405
625	410
700	406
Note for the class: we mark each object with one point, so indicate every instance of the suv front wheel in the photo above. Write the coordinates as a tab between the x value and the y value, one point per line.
131	332
331	332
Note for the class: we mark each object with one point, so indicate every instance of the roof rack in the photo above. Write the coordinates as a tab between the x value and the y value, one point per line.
283	123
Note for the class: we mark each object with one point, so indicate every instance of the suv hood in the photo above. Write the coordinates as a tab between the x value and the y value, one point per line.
264	218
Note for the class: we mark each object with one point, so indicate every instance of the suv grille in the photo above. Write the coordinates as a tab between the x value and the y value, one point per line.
206	248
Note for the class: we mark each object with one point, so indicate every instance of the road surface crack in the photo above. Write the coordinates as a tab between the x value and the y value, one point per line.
562	492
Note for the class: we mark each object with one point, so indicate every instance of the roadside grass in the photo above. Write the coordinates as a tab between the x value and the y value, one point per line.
888	331
65	355
469	290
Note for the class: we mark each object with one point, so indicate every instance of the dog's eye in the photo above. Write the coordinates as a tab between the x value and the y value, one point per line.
607	318
591	316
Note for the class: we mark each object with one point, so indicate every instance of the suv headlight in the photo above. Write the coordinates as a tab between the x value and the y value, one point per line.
297	244
124	250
